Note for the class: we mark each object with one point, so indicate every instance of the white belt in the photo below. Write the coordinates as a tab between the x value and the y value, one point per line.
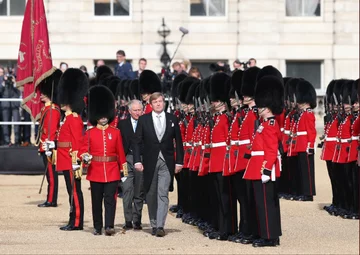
187	144
197	144
301	133
344	140
215	145
330	139
203	146
239	142
281	129
257	153
287	132
355	138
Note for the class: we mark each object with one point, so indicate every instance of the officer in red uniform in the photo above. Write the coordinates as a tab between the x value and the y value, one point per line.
102	150
304	135
149	83
224	203
73	86
48	128
264	164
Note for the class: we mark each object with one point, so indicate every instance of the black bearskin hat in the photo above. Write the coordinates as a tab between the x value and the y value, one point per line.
219	87
134	89
92	82
73	86
184	88
46	85
355	94
236	82
113	83
249	81
286	87
338	88
269	70
305	93
291	88
329	92
101	71
346	92
269	93
149	82
191	92
100	104
176	83
120	90
204	88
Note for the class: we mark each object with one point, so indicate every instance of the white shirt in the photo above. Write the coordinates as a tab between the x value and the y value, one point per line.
155	118
120	64
134	123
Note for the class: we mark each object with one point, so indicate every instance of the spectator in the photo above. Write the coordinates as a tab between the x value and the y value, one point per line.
63	66
185	65
25	130
123	69
100	62
195	72
10	110
84	69
142	67
237	65
252	62
177	68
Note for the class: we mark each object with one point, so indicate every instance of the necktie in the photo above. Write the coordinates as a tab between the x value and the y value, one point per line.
135	124
159	125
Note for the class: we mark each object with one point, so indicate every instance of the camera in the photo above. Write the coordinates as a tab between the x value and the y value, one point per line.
9	77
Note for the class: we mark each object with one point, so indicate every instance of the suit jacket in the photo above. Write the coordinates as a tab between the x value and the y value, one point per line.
128	135
146	135
125	71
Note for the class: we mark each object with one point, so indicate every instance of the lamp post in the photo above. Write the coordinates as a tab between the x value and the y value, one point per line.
164	32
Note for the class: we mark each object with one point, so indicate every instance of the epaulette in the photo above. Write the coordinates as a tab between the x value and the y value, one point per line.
272	122
89	127
309	110
75	114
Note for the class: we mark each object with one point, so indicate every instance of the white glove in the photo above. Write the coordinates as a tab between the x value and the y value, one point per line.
87	157
50	144
265	178
75	167
123	179
48	153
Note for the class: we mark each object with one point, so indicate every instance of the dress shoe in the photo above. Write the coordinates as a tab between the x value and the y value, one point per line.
160	232
25	144
236	238
222	237
137	226
305	198
208	232
153	231
179	213
247	239
174	208
266	242
128	225
97	232
70	228
47	204
109	231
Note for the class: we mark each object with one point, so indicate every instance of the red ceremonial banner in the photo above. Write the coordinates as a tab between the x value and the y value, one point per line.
34	59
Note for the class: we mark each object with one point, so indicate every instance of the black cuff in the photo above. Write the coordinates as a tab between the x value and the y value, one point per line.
267	172
247	156
311	151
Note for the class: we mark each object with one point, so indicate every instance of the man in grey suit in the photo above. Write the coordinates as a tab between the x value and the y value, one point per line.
158	131
132	186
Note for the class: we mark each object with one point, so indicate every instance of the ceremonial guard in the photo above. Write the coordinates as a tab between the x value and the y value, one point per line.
223	201
264	164
48	128
102	151
73	86
149	83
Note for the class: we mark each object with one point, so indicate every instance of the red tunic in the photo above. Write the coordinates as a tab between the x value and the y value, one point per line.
328	149
233	142
194	161
105	141
205	150
305	129
280	119
246	134
70	133
147	108
264	153
115	122
188	142
355	142
343	142
286	131
218	140
48	126
291	146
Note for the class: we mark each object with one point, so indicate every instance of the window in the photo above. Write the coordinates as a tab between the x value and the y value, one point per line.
207	7
309	70
12	7
303	8
112	7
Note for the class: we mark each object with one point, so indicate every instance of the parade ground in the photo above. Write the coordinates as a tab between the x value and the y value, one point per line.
27	229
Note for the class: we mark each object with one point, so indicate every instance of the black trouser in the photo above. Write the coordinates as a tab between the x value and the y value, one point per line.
103	191
9	114
26	129
185	190
339	180
306	175
330	169
204	205
179	189
76	215
293	170
266	221
240	190
348	187
225	203
355	171
52	179
284	182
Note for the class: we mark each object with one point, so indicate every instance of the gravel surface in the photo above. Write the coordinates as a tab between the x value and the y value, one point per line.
25	228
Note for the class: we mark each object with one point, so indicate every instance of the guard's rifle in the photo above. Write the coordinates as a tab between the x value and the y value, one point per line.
239	108
208	115
182	113
196	113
